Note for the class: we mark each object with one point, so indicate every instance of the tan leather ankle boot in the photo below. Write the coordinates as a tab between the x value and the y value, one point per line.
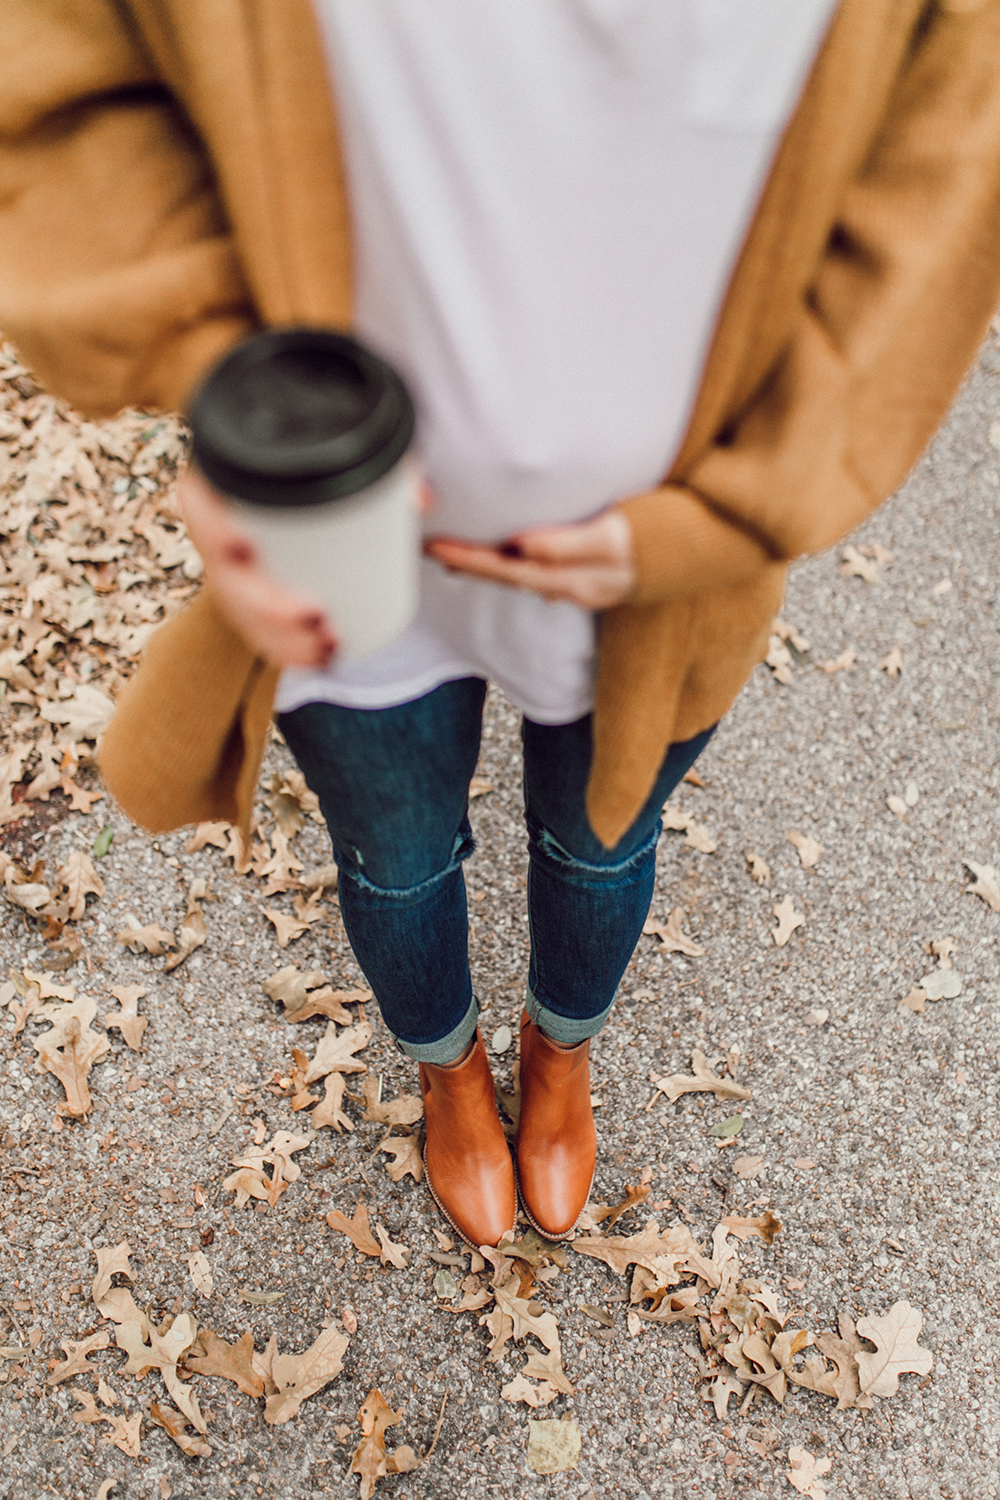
556	1139
469	1170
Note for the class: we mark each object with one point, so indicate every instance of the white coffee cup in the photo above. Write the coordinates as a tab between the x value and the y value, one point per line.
306	432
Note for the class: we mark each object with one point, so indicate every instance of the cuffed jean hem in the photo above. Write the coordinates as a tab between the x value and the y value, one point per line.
449	1047
566	1029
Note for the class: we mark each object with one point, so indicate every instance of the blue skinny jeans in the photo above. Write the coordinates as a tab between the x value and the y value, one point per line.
393	784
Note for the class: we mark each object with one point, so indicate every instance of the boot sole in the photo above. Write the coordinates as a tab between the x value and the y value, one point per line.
461	1232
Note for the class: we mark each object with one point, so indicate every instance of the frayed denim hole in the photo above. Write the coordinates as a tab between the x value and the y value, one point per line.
549	847
463	846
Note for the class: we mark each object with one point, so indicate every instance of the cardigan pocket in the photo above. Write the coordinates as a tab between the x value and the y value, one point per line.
749	60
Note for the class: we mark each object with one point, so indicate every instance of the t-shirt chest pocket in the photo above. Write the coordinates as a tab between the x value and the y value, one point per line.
749	60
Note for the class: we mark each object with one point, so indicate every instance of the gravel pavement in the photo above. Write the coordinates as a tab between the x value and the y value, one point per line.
877	1126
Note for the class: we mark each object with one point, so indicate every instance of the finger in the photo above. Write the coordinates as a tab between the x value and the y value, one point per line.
605	539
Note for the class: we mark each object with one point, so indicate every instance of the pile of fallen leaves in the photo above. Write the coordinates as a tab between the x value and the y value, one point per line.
92	558
178	1348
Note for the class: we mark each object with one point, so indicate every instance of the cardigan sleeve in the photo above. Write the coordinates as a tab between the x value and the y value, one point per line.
119	280
888	325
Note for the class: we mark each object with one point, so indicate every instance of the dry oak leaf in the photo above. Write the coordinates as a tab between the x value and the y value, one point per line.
228	1361
671	936
201	1273
634	1196
520	1389
392	1254
809	849
407	1109
279	869
215	834
805	1473
69	1050
152	939
125	1433
842	663
779	659
252	1181
358	1229
29	895
112	1260
296	1376
986	884
405	1152
86	715
370	1459
853	565
287	928
335	1053
647	1248
79	879
192	935
175	1426
553	1446
788	920
127	1019
329	1110
892	663
309	994
75	1362
697	835
547	1368
700	1080
897	1350
760	870
766	1227
719	1391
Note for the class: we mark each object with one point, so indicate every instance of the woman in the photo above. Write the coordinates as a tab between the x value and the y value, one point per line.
605	242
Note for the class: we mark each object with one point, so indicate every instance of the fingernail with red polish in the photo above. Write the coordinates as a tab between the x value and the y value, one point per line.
511	549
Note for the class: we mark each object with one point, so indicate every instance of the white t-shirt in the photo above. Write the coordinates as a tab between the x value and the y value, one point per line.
547	198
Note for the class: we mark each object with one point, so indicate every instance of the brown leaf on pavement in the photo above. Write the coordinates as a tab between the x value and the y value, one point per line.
127	1019
895	1337
329	1110
308	994
358	1229
151	939
112	1260
287	928
392	1254
407	1109
520	1389
228	1361
405	1153
986	884
697	835
75	1362
765	1227
69	1050
125	1433
252	1181
719	1390
805	1472
672	938
370	1459
809	849
892	663
192	935
700	1080
79	878
854	565
842	663
788	920
759	869
297	1376
335	1053
175	1425
208	833
634	1196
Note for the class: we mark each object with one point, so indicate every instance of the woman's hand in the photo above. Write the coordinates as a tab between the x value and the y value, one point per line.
591	563
288	629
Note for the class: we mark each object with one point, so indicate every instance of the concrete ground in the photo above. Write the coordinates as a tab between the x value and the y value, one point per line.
877	1126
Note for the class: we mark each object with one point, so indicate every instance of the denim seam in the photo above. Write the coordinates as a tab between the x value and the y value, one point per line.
448	1047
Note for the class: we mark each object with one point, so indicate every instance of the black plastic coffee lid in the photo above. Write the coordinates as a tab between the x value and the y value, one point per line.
300	416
